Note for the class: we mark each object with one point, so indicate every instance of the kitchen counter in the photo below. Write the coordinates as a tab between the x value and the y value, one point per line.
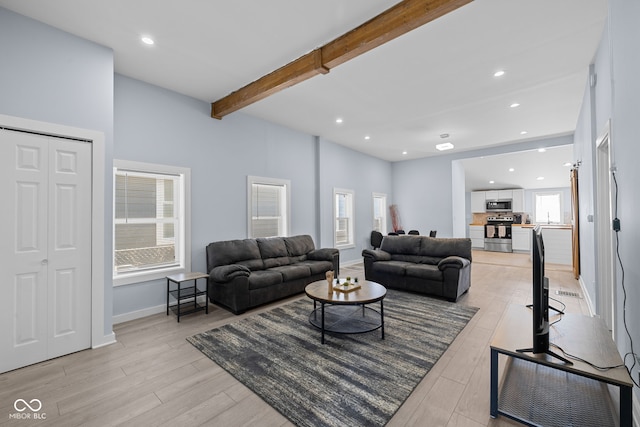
543	226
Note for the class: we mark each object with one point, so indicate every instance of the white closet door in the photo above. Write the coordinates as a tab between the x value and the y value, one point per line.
45	251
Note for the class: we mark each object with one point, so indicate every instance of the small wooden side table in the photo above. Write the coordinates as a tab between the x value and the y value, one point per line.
181	293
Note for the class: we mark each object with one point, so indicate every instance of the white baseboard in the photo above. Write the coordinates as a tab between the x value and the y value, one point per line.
350	263
138	314
106	340
587	297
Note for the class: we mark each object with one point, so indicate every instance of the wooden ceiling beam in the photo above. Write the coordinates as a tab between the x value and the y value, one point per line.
405	16
394	22
294	72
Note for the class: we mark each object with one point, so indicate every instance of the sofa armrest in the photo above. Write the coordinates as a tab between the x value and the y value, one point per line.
326	254
453	262
226	273
376	255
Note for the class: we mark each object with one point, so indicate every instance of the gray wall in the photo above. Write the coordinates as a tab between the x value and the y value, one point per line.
159	126
51	76
615	97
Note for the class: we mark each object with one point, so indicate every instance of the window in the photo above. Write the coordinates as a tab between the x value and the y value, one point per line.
380	212
151	208
548	208
343	208
268	207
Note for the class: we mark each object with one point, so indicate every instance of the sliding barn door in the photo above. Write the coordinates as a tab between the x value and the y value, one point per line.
45	249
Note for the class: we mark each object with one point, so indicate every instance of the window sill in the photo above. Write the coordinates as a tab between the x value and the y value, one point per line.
349	246
146	276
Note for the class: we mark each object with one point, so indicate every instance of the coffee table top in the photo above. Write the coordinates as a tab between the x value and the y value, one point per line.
369	292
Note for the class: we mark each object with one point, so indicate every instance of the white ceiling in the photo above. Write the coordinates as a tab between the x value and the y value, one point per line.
436	79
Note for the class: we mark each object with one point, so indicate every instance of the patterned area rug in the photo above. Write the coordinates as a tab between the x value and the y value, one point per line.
351	380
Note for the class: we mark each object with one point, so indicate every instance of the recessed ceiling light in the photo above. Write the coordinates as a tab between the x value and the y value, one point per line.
514	105
567	164
540	178
404	153
524	132
339	120
367	137
444	146
498	73
147	40
541	150
511	169
492	182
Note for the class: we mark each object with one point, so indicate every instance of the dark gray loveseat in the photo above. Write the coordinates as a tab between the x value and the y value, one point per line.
247	273
428	265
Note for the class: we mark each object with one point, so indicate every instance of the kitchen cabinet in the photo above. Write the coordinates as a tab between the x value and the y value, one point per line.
557	245
518	201
478	202
521	238
505	194
491	195
476	233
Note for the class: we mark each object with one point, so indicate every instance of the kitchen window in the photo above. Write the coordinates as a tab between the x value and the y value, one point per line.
150	229
547	207
344	218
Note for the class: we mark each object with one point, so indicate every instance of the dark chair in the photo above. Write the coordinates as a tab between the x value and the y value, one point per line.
432	233
414	232
391	233
376	239
400	231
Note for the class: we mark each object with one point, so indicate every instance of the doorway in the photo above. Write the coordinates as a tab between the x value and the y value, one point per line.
604	254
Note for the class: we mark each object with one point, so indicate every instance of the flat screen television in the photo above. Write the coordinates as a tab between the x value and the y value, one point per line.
540	306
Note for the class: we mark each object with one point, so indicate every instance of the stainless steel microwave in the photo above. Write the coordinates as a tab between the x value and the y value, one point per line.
502	205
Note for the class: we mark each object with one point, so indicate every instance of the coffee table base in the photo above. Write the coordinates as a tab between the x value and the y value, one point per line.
347	319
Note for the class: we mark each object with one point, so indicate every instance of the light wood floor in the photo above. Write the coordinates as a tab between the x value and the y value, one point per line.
152	376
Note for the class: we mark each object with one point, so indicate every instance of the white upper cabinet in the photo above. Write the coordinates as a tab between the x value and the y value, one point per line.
518	201
505	194
491	195
477	202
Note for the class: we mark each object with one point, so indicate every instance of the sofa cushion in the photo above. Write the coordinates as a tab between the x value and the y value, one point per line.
292	272
401	245
273	251
264	278
424	271
299	246
444	247
391	267
245	252
317	267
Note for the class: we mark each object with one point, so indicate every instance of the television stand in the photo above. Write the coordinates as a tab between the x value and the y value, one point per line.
549	352
586	337
551	307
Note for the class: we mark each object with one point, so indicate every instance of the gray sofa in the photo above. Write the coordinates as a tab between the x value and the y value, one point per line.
247	273
428	265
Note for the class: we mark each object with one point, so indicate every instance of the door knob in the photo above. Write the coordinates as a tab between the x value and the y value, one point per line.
44	262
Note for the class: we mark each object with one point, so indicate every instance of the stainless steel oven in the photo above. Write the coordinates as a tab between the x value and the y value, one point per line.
497	234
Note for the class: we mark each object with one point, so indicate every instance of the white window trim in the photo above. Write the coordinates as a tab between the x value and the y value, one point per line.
375	195
268	181
352	243
185	213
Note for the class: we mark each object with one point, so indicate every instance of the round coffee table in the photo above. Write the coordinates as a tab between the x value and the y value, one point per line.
346	312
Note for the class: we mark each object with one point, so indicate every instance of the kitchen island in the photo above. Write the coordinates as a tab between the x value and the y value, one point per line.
557	241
